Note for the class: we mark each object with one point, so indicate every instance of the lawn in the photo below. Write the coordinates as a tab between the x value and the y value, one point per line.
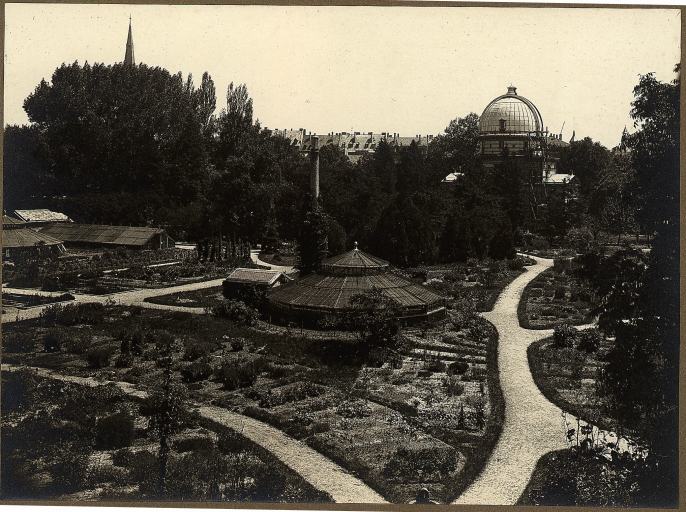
67	441
427	417
569	378
553	298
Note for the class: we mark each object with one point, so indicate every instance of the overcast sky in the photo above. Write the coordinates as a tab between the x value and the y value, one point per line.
398	69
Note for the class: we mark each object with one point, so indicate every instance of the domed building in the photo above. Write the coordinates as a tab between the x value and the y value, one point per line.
327	293
511	130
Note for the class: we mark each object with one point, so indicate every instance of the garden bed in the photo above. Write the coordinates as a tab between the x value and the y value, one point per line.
553	298
402	426
473	285
205	298
66	441
569	377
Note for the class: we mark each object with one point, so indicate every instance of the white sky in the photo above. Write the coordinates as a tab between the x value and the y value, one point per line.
398	69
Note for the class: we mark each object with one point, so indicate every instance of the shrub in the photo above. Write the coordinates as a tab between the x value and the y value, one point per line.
453	386
433	364
236	374
53	341
196	371
123	457
237	344
194	444
236	311
539	243
196	350
292	393
115	431
560	293
421	464
458	367
515	263
589	340
353	409
564	336
124	360
77	343
99	357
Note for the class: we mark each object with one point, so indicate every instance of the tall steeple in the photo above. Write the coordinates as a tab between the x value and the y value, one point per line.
129	59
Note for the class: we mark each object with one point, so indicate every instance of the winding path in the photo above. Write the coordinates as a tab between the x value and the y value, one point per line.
316	469
533	425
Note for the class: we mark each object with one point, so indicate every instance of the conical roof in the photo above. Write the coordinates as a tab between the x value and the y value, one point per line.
352	262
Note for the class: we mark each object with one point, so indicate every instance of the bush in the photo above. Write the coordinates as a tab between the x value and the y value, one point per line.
237	344
123	457
515	263
565	336
236	311
458	368
99	357
560	293
433	365
77	343
196	350
589	340
453	386
53	341
124	360
421	464
115	431
196	371
194	444
236	374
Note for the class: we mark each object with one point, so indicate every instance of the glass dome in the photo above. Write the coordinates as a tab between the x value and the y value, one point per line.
510	113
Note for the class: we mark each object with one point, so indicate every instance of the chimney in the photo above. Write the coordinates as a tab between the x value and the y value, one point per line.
314	170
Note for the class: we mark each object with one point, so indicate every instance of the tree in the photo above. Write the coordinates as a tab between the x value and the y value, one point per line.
456	150
375	317
122	143
312	242
166	406
585	159
642	373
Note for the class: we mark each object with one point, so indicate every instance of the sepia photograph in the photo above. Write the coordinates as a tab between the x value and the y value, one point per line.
374	255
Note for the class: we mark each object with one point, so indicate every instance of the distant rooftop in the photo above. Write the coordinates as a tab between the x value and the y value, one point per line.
102	234
41	215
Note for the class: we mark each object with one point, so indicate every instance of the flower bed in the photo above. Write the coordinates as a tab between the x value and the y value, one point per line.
554	298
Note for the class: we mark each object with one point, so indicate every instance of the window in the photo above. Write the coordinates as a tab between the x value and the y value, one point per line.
503	125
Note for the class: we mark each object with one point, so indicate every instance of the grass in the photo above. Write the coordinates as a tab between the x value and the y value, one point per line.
320	391
53	455
568	378
554	298
206	297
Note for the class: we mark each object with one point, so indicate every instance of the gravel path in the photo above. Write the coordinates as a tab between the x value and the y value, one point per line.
255	257
316	469
533	425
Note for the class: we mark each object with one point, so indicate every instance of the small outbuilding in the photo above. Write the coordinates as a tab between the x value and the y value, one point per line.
98	236
252	284
327	293
21	243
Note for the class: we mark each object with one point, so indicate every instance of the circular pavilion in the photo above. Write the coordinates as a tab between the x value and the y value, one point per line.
21	243
327	293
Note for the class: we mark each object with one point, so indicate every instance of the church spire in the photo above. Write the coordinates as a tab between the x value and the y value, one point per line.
129	59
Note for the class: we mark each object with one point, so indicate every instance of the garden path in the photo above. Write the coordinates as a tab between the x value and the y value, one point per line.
128	298
533	425
255	257
316	469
